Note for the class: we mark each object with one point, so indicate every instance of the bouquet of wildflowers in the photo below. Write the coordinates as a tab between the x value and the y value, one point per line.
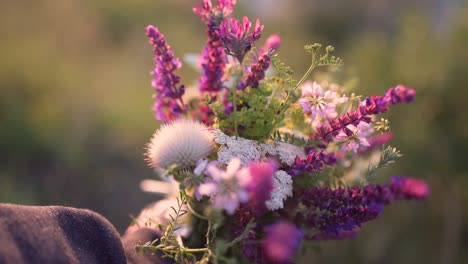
257	163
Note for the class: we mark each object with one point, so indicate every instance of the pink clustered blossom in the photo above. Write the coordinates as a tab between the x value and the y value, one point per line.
237	38
319	102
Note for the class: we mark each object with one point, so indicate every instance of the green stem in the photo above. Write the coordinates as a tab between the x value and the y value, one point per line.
304	77
195	250
168	232
195	213
247	229
234	99
185	250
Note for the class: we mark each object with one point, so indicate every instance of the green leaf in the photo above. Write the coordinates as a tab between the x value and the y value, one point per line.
292	139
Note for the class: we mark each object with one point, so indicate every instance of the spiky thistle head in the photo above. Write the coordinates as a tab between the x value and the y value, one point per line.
181	142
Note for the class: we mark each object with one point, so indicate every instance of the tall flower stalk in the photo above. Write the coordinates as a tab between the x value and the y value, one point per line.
213	59
169	104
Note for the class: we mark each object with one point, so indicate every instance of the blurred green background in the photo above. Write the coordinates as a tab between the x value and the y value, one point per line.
75	104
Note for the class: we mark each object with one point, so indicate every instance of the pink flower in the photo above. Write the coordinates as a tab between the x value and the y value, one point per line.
226	188
317	102
206	11
282	240
261	182
411	188
355	136
272	43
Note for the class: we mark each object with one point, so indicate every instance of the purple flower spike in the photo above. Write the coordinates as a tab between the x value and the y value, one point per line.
213	59
371	106
341	212
258	69
257	72
237	38
281	242
313	163
400	94
168	92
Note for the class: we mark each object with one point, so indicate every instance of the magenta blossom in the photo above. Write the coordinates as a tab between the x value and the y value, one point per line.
237	38
272	43
261	183
227	188
207	12
411	188
281	241
377	141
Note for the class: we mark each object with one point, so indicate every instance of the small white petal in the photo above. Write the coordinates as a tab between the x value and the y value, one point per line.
243	176
233	167
201	166
207	188
364	142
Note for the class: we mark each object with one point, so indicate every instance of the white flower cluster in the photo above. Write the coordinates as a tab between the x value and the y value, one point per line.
250	150
287	152
245	149
282	189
